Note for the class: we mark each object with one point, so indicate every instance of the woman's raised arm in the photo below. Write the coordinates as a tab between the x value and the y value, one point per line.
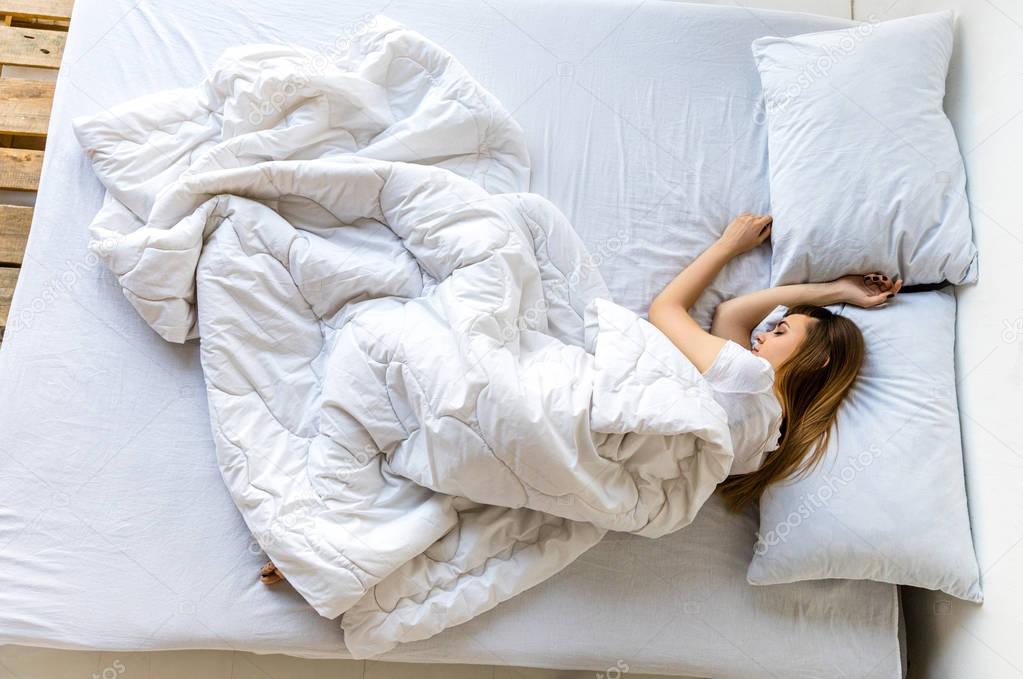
669	311
736	318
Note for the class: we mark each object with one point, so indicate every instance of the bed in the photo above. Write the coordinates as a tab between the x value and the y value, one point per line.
117	531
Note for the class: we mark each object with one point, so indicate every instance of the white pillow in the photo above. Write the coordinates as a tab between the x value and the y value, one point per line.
888	500
865	171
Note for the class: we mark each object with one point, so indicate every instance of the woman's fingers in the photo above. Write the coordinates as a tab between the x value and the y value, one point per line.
757	220
746	232
870	299
881	283
872	286
886	293
890	287
893	290
871	289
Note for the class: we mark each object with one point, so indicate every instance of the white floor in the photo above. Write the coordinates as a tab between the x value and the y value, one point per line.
19	662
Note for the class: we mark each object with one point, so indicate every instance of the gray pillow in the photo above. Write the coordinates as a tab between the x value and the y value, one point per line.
888	500
865	170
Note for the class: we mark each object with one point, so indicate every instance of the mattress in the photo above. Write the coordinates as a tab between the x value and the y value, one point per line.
116	530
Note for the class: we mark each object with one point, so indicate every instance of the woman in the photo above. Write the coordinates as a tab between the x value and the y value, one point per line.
782	394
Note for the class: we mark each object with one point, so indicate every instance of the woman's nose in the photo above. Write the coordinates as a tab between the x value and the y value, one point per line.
759	337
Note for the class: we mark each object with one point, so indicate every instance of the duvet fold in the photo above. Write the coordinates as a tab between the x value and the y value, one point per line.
423	400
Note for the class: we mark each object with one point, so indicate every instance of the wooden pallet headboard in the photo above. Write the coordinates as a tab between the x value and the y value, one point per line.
32	37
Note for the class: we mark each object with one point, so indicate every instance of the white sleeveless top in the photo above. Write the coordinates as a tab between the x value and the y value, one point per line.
743	384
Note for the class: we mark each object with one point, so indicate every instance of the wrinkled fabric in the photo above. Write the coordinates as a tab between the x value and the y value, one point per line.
422	398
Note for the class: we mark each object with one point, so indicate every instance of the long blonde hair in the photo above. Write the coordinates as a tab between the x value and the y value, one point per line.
810	385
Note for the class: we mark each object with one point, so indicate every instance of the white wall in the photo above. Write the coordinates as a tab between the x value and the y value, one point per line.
949	638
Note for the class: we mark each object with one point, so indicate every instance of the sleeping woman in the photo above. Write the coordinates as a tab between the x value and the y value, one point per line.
782	393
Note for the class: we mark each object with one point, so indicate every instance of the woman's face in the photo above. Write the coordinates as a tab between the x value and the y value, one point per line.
782	341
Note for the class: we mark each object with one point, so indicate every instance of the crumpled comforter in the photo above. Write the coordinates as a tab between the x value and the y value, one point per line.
423	400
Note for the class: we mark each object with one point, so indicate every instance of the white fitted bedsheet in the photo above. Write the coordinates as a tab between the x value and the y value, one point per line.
116	531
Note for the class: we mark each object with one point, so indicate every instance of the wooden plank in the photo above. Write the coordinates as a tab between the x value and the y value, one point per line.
27	143
8	279
37	9
15	221
40	23
25	106
31	47
20	169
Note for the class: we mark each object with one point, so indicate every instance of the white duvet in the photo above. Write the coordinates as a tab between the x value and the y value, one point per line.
422	398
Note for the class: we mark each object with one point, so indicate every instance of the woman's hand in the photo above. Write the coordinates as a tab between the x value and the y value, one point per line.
866	290
745	233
